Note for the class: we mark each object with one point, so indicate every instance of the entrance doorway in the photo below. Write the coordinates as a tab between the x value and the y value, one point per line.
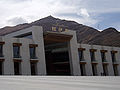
57	55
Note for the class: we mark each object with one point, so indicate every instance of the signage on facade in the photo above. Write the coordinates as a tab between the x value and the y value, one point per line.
59	28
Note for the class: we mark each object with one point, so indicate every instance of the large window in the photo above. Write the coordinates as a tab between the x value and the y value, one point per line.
16	51
113	55
1	50
81	56
105	69
1	67
103	56
94	69
33	52
92	55
17	68
33	68
115	68
83	70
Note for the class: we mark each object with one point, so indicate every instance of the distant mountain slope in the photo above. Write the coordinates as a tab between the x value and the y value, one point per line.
109	37
85	34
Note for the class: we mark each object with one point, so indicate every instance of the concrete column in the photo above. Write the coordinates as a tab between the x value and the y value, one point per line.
37	34
8	55
110	65
24	52
88	62
73	56
99	61
118	60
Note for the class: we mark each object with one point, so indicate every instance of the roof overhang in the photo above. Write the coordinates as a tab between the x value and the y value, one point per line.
57	37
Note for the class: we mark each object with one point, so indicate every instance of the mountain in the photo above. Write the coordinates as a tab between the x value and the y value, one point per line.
85	34
108	37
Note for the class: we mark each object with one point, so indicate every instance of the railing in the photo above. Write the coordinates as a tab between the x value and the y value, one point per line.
33	57
17	56
1	55
82	60
104	60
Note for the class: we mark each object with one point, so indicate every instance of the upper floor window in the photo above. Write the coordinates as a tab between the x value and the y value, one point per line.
16	50
33	51
113	55
103	55
92	54
1	50
81	54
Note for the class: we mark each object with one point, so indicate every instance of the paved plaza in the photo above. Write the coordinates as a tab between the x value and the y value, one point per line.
59	83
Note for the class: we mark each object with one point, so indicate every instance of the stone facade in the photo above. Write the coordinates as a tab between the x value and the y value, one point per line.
88	67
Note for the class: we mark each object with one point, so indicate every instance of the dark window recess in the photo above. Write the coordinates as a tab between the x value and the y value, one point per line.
17	69
94	69
26	35
103	57
115	68
16	52
33	53
105	70
82	68
33	68
1	50
1	68
81	56
113	57
92	55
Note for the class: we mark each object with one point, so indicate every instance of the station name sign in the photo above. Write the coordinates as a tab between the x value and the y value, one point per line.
59	28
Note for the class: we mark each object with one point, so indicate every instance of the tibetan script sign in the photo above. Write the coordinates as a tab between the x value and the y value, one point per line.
59	28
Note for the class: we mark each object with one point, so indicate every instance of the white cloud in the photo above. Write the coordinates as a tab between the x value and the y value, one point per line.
32	10
16	20
83	12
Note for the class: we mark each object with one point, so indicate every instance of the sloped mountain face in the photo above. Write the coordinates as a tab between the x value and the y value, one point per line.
108	37
85	34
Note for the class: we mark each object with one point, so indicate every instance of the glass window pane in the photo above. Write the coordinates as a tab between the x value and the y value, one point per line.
103	56
92	54
33	68
81	56
17	68
113	57
1	50
32	53
16	51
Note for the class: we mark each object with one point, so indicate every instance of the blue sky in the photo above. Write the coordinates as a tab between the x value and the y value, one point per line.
99	14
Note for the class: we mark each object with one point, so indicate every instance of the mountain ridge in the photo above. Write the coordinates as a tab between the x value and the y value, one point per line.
85	34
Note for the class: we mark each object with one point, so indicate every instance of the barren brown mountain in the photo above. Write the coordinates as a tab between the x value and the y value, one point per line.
85	34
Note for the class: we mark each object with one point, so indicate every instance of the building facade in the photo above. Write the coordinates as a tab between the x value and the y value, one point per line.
33	52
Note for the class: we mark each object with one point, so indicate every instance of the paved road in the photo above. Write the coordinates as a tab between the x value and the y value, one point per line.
59	83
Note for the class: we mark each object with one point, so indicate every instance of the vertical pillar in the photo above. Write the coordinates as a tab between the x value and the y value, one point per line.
8	55
38	38
99	65
110	65
73	56
24	52
118	60
88	60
